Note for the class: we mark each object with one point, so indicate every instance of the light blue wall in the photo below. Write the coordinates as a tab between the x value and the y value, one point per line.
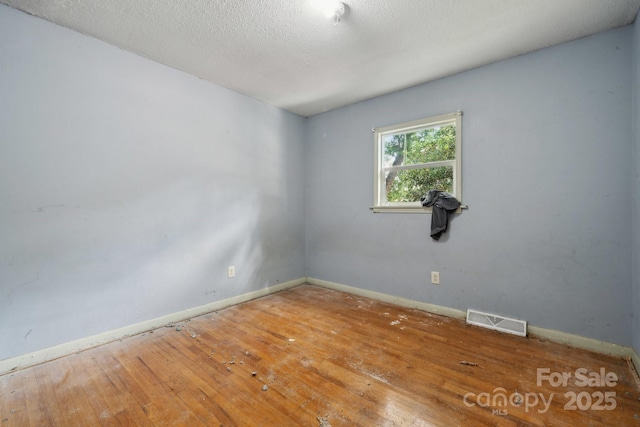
128	187
546	149
635	120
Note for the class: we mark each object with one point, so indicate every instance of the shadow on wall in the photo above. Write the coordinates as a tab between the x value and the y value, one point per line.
74	270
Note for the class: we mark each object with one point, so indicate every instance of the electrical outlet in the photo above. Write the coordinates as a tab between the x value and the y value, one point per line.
231	272
435	277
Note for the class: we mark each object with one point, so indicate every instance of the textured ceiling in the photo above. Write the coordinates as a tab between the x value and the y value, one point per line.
285	52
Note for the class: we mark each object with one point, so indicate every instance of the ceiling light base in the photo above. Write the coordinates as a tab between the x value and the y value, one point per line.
334	10
338	12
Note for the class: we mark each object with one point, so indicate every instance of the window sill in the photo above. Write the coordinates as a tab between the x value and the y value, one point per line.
408	209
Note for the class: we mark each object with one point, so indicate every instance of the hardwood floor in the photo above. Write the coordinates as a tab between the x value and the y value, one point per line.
310	356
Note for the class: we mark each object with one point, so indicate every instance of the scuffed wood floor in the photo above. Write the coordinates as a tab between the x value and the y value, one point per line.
310	356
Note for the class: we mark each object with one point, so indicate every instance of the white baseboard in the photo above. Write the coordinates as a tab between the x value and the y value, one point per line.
580	341
635	359
548	334
430	308
52	353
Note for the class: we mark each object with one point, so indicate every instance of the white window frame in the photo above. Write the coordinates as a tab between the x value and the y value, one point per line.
380	203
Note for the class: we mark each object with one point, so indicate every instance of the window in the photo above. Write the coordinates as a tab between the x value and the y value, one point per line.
415	157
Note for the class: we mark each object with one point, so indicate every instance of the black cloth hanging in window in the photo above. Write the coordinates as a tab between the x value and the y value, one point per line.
442	205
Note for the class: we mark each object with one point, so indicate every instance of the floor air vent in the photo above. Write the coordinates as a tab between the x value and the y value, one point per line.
499	323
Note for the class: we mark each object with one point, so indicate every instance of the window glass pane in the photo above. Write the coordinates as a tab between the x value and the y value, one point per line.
394	150
427	145
411	185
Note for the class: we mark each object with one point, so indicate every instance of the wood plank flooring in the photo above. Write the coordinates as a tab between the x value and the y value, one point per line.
310	356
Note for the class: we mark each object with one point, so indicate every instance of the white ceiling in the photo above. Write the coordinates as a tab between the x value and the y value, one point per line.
285	52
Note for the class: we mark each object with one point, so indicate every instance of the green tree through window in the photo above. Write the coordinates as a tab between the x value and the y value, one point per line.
415	148
414	157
